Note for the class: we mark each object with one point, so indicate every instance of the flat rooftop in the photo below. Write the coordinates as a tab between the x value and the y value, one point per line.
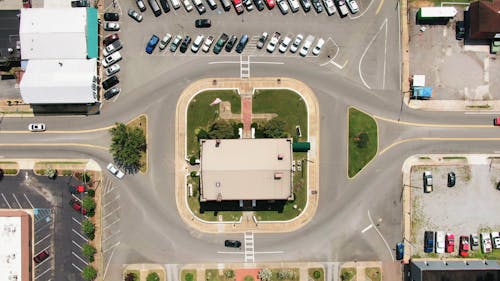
15	236
246	169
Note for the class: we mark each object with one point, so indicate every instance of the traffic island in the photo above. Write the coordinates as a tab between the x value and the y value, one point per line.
363	140
141	122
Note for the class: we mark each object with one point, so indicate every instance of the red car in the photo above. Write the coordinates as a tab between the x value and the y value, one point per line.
270	4
43	255
450	242
464	246
77	189
238	6
77	206
110	39
496	121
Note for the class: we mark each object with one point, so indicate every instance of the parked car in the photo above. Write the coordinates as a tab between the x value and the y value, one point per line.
271	46
498	185
43	255
440	242
459	30
496	121
77	189
294	5
262	40
486	242
427	181
141	5
164	41
296	43
220	43
353	6
270	4
226	5
317	6
198	41
135	15
111	26
343	11
111	59
451	179
283	5
111	16
199	6
110	82
111	48
175	43
474	241
112	69
428	241
115	171
230	43
165	6
212	4
259	4
495	237
232	243
36	127
329	6
248	4
284	44
79	4
307	45
153	41
318	46
306	5
238	6
207	44
464	246
187	5
200	23
400	251
185	44
110	39
450	242
77	206
242	44
111	93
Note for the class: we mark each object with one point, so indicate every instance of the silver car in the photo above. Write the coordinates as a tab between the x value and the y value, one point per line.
283	5
164	41
330	7
135	15
296	43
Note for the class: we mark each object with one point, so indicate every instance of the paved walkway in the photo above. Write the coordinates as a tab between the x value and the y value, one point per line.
246	113
144	269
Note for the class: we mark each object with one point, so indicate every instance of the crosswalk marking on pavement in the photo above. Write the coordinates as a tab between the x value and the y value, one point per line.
245	67
249	247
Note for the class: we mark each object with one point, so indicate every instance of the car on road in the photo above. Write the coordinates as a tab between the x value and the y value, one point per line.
77	189
153	41
259	4
486	242
230	43
77	206
207	44
111	26
459	30
427	178
270	4
450	242
343	11
428	241
440	242
198	41
220	43
43	255
464	247
232	244
111	16
111	93
175	43
318	47
451	179
496	121
201	23
296	43
187	4
115	171
474	241
165	6
271	46
400	251
111	48
238	6
353	6
284	44
36	127
242	44
283	5
164	41
111	59
134	14
110	39
185	44
307	45
112	69
262	40
141	5
495	238
329	6
110	82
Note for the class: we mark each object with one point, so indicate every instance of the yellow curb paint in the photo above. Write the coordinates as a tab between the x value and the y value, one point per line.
55	144
379	7
436	139
431	125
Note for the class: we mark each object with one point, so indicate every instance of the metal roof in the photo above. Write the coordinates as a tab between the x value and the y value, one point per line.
438	12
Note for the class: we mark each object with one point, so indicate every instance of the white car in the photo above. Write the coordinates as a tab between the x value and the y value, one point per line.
283	5
284	45
330	7
486	242
36	127
208	42
111	59
112	69
164	41
187	5
111	26
271	46
495	237
440	242
318	47
111	48
353	6
307	45
115	171
197	43
296	43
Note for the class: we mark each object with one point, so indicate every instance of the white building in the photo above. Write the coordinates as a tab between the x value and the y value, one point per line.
15	249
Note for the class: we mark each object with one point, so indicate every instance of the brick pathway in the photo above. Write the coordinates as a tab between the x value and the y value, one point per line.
241	273
246	113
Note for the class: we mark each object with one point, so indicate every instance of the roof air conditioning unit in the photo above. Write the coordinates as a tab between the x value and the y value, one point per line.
280	156
278	176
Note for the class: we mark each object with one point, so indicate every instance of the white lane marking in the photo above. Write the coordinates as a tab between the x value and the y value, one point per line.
78	257
380	234
111	224
111	236
112	247
360	15
75	220
29	202
41	274
269	252
17	201
74	265
78	199
110	213
385	55
248	239
81	236
48	235
112	200
366	50
76	244
482	112
267	62
237	253
107	264
399	47
7	202
221	62
38	230
367	228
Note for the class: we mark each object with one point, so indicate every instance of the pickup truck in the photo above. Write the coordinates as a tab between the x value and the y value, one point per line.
273	42
111	48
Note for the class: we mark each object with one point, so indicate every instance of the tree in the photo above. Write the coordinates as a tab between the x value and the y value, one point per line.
274	128
189	277
89	229
88	204
202	134
127	144
89	273
51	173
131	276
153	276
221	129
89	251
361	140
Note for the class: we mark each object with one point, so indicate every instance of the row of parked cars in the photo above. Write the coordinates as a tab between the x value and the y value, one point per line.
112	45
343	6
442	242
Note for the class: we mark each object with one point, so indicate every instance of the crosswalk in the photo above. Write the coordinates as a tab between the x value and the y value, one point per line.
245	67
249	247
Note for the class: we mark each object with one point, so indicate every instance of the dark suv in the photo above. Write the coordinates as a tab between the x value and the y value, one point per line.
429	241
459	30
220	43
451	179
110	82
230	43
165	6
185	44
232	244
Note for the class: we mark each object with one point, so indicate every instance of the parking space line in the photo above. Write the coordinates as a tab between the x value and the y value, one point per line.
76	244
7	202
112	247
78	257
42	239
111	236
74	265
39	264
112	200
75	220
76	197
111	224
36	231
41	274
81	236
42	219
17	201
29	202
111	212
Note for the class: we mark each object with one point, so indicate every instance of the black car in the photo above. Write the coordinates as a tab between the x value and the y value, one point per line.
110	82
429	241
165	6
259	4
498	185
317	6
306	5
230	43
185	44
220	43
111	93
199	23
79	3
232	243
459	30
111	16
451	179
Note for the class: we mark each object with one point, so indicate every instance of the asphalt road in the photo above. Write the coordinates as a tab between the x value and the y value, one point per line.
150	229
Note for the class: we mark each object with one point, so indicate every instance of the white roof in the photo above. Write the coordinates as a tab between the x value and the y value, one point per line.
59	81
57	3
53	33
441	12
418	80
10	248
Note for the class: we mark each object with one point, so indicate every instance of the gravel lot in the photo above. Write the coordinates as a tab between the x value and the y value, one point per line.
472	205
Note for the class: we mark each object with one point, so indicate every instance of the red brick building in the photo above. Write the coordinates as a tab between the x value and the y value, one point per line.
484	20
15	245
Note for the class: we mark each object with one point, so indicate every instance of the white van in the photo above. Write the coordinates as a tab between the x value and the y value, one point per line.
176	4
307	45
294	5
197	43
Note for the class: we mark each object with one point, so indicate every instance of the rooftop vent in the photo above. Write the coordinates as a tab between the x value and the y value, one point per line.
280	156
278	176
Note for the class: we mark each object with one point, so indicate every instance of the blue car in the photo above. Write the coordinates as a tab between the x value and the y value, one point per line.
152	44
400	251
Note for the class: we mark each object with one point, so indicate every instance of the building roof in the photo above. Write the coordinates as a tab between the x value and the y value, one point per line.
59	81
92	33
9	33
246	169
15	253
438	12
484	19
53	33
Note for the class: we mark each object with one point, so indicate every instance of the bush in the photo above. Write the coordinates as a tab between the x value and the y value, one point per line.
265	274
85	177
361	140
127	143
131	276
316	274
88	204
274	128
192	160
222	129
193	174
89	273
89	251
153	276
89	229
51	173
248	278
189	277
67	173
229	273
202	135
91	193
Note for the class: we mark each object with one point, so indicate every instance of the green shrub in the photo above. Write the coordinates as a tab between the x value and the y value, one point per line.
91	193
89	229
153	276
89	273
189	277
316	274
89	251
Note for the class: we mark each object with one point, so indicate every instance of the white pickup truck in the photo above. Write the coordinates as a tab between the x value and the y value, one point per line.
273	42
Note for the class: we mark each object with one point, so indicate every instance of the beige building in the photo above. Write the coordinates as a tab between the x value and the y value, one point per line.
246	169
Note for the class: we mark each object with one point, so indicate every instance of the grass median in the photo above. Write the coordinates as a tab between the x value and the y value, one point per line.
363	140
141	122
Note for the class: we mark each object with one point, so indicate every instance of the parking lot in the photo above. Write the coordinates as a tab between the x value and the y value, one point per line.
111	232
471	206
57	226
